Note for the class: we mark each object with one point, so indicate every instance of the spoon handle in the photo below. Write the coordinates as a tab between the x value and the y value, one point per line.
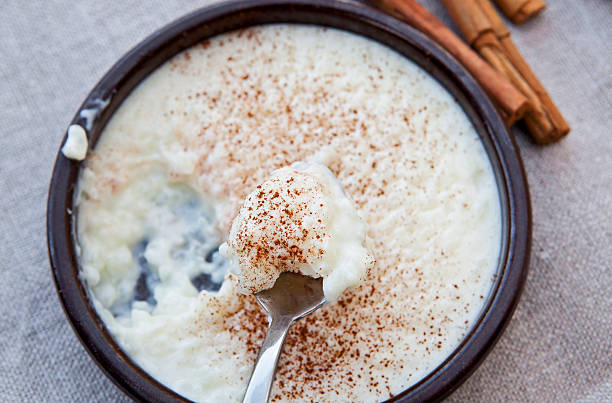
260	383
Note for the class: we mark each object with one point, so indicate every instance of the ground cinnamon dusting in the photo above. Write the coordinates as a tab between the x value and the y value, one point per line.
402	149
279	229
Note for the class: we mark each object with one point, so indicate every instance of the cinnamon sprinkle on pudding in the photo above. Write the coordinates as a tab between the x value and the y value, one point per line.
173	166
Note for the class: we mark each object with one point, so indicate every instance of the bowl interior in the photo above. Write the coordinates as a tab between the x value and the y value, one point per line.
205	23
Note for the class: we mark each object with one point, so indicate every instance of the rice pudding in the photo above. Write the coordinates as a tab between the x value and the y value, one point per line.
158	193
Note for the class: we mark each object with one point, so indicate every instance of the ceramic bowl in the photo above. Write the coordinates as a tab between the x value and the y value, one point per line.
205	23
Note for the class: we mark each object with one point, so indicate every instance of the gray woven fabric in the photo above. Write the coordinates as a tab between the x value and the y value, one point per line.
558	345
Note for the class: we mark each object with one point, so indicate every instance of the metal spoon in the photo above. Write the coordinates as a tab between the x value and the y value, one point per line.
292	297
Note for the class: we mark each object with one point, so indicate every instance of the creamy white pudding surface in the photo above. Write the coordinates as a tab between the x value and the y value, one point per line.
174	165
298	220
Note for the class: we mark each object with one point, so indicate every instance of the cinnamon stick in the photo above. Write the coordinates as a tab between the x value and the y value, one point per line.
513	103
561	127
490	48
520	11
477	29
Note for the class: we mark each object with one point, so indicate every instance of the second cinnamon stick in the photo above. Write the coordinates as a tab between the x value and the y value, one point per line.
478	30
520	10
561	127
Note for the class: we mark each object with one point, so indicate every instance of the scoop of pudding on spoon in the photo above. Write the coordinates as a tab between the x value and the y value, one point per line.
296	244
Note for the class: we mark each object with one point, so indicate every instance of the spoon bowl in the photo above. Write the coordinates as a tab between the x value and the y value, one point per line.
293	295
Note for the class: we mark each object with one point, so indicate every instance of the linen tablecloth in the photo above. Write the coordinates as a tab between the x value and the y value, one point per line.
556	348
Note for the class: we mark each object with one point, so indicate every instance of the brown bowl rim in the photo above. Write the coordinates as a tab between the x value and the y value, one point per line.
360	19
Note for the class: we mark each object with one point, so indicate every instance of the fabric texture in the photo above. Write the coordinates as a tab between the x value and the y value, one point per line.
558	346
